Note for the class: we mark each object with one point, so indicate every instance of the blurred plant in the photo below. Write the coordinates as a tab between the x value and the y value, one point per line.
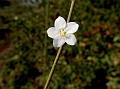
93	62
30	2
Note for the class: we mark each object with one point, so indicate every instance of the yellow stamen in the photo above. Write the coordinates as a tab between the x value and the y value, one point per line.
62	32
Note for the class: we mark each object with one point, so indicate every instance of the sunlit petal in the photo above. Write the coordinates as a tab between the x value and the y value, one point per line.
60	23
58	42
70	39
72	27
52	32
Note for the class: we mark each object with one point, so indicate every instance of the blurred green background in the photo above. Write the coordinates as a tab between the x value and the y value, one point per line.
27	53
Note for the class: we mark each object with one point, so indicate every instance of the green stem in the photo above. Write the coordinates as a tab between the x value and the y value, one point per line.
58	53
53	67
70	11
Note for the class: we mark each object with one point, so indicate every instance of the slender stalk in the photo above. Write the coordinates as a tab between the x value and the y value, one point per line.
70	11
59	50
53	67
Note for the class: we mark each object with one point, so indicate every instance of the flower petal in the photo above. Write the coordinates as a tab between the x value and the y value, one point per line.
58	42
72	27
70	39
60	23
52	32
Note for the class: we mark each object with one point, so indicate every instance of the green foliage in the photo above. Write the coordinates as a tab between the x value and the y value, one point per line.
26	54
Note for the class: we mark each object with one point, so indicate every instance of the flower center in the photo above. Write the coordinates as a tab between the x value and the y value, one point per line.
62	32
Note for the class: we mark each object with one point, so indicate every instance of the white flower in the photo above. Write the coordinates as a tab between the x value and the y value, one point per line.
63	32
